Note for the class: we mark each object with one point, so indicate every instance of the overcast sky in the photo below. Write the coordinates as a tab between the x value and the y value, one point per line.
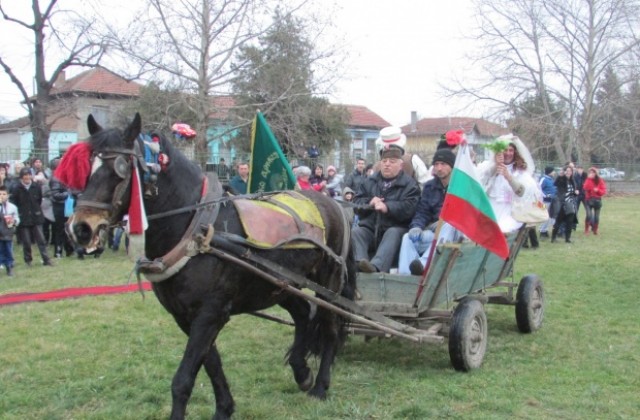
399	50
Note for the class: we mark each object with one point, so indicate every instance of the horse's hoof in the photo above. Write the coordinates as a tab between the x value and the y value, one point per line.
307	383
320	394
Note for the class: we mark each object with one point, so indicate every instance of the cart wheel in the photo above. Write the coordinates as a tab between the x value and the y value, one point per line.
530	304
468	335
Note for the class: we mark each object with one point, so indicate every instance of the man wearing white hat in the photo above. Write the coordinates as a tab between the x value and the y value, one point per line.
412	164
391	197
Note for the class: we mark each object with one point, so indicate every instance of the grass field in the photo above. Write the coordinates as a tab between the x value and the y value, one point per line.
113	357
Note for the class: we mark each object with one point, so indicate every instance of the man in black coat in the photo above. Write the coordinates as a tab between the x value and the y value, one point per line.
392	197
355	178
27	196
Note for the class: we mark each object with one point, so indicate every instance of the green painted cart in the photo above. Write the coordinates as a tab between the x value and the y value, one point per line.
448	302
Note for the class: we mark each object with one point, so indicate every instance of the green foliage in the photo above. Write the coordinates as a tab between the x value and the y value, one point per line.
108	357
276	77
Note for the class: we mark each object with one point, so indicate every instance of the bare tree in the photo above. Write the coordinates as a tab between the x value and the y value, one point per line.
555	50
192	43
74	46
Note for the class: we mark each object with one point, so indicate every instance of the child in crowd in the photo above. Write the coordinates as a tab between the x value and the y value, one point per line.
9	219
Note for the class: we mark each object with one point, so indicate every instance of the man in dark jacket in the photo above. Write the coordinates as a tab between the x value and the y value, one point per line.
393	197
355	178
27	196
422	227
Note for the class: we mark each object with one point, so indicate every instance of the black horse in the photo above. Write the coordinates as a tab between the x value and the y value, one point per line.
206	291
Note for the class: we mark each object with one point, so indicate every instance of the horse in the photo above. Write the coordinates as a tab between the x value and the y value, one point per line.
208	289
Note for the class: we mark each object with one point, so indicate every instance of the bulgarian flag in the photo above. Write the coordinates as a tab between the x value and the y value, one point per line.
467	208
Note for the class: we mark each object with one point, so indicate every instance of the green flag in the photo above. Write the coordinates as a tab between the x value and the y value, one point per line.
270	170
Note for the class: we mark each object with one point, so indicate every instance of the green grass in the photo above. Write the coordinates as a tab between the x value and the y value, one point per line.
109	357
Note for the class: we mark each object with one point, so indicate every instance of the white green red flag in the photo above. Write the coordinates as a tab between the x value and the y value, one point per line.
467	208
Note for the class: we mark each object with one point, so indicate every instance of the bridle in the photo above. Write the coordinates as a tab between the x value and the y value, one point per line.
124	161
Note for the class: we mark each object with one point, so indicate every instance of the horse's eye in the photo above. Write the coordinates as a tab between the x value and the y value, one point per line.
121	167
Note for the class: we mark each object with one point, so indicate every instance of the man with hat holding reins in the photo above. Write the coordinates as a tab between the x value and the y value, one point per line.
392	197
412	164
416	243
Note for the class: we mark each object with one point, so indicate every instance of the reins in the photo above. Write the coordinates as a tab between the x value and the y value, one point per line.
238	197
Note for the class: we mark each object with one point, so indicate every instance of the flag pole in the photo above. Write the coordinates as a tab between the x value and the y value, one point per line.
425	271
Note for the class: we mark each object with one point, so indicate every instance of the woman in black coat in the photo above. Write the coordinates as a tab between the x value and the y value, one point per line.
567	195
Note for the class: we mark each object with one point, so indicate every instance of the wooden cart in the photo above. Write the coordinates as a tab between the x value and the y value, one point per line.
461	279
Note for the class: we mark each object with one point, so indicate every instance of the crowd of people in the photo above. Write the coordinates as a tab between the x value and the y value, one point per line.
397	200
35	206
394	204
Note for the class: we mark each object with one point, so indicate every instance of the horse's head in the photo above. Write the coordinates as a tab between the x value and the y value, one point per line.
105	198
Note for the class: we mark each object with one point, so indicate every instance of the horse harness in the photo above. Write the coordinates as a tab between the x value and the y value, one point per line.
200	238
123	161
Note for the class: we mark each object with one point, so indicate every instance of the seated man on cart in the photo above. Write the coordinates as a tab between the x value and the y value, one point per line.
392	197
416	243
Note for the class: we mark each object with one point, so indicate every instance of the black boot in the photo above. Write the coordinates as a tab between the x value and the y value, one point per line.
9	271
567	236
554	234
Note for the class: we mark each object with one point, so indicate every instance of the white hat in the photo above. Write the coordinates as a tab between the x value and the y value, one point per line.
391	135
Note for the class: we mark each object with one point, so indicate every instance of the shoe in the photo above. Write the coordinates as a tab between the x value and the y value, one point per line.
544	234
28	263
569	241
416	267
48	263
58	256
366	267
10	271
525	245
80	256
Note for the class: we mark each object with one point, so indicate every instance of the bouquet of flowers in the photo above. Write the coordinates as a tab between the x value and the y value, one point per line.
497	146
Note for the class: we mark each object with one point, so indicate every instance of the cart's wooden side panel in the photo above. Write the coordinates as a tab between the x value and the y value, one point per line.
389	294
457	270
474	269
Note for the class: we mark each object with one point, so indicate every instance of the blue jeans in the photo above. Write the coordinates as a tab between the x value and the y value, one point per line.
6	253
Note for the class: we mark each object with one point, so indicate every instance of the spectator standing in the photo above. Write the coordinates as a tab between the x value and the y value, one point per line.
549	192
355	178
239	182
59	195
47	206
223	169
9	219
317	179
28	198
313	153
37	166
302	174
347	197
567	192
4	176
392	196
334	180
594	189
